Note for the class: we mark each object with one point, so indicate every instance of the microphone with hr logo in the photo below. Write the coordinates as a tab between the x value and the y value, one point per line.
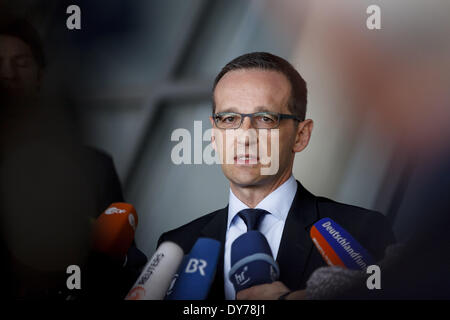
338	247
196	273
251	261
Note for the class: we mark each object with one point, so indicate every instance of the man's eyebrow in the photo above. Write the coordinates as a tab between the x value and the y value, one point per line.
262	109
257	109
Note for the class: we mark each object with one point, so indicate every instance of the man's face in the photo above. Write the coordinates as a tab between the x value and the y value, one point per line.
250	91
19	73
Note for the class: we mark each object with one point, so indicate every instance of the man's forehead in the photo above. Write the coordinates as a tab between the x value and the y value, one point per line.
13	46
255	89
254	75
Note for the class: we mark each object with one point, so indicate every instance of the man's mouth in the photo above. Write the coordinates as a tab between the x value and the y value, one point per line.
246	159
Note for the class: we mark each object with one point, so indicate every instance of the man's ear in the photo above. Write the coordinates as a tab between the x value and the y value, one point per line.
304	130
213	138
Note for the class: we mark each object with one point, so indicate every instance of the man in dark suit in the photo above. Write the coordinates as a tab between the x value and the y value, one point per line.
261	93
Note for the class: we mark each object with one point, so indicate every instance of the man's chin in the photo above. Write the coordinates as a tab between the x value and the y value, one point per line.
246	179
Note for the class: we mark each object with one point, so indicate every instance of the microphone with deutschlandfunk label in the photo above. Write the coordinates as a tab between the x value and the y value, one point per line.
338	247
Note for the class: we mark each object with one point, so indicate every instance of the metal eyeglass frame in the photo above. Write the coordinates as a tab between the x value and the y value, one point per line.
251	115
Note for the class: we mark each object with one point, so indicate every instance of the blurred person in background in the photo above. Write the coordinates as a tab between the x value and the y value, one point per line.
399	75
52	187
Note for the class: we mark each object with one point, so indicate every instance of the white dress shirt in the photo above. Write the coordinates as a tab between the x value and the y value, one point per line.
271	225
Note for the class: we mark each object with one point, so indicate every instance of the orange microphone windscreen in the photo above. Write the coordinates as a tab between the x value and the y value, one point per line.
113	231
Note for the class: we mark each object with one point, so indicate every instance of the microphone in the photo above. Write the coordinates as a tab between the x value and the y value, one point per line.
251	261
335	282
197	271
338	247
177	274
157	274
332	282
113	231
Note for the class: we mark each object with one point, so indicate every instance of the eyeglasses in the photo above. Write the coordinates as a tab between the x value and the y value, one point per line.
259	120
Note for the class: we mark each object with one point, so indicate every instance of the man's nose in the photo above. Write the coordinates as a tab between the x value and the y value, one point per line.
246	134
246	123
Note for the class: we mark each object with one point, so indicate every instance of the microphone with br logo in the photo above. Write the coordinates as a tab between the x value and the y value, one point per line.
252	262
196	273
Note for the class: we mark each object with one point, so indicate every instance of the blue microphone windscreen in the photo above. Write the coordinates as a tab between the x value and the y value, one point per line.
198	271
251	261
352	254
249	243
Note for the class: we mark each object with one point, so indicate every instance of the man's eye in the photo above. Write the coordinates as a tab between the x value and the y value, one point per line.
228	119
265	119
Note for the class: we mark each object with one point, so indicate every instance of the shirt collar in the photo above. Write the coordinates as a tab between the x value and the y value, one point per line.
277	203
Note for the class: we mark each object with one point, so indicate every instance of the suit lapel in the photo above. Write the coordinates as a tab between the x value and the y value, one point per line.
296	245
216	229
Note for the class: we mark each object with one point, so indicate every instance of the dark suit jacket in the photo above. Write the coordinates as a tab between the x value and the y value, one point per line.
104	181
106	187
297	256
